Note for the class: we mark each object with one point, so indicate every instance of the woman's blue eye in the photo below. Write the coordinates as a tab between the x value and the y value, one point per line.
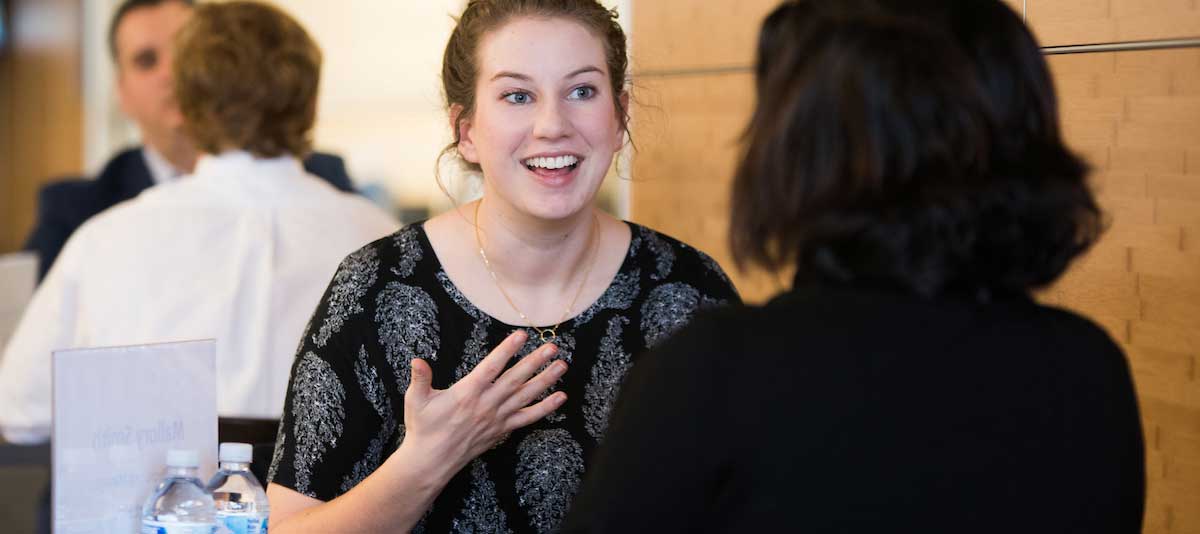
583	93
517	98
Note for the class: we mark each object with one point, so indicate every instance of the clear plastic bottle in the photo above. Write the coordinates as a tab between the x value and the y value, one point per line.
240	501
180	504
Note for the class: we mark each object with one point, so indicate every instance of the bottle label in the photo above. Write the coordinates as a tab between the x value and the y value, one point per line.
235	523
171	527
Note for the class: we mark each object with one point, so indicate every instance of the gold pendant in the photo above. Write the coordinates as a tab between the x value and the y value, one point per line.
547	335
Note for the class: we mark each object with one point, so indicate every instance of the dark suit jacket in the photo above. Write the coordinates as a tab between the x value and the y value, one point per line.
64	206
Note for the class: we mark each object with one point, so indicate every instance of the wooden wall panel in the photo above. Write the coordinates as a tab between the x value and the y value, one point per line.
1069	22
42	105
681	35
7	134
1141	130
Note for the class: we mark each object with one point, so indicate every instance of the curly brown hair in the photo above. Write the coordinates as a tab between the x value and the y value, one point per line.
246	76
460	68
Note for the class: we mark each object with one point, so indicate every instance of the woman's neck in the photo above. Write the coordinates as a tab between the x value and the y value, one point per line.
526	252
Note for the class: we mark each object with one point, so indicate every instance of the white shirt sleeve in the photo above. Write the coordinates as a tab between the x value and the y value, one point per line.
48	324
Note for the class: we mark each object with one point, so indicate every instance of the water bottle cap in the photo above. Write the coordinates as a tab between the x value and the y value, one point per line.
236	452
183	458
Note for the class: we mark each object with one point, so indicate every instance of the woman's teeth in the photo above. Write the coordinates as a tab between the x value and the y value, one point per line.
553	163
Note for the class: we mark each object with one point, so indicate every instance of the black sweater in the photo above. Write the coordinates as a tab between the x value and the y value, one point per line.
864	410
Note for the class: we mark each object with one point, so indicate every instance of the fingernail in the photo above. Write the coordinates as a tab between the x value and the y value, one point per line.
560	397
559	367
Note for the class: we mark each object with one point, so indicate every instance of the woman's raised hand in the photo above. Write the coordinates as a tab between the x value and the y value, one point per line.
460	423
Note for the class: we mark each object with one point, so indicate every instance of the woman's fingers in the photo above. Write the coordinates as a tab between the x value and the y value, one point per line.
486	372
421	383
494	400
514	378
531	389
533	414
487	403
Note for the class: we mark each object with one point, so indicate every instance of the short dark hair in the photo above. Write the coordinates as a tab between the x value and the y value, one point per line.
124	9
246	76
882	152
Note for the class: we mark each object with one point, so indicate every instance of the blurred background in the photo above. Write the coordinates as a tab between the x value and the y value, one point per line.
1135	115
380	105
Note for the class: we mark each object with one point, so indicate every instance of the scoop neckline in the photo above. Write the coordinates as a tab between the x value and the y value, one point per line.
466	301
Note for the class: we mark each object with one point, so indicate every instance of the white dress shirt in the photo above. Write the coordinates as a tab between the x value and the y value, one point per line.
240	252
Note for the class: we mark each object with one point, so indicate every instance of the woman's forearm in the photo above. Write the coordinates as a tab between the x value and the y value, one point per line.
392	499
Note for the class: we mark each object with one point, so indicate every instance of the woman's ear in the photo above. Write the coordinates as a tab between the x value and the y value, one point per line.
466	146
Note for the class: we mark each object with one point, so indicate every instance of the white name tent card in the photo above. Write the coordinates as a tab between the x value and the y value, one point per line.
116	413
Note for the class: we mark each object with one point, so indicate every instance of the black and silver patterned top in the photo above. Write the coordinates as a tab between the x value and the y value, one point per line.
391	301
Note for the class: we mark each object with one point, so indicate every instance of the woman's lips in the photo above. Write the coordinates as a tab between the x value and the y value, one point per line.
555	177
553	170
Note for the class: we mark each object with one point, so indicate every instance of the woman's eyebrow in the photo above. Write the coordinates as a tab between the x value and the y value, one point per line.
525	77
584	70
510	74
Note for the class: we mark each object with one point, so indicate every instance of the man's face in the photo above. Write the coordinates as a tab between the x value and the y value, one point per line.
143	45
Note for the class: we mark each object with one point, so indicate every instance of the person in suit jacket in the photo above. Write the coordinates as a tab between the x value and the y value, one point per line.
139	41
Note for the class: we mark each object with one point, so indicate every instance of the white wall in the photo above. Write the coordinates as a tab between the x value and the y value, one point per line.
380	101
380	105
104	129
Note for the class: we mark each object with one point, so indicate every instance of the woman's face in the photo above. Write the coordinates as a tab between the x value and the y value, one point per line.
545	126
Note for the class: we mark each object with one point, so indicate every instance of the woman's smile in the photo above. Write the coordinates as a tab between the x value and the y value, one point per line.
553	170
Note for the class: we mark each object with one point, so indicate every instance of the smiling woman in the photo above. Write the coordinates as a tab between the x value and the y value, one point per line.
536	98
538	109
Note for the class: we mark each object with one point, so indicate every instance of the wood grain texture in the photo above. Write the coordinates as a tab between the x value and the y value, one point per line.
1072	22
673	35
41	127
8	186
1136	117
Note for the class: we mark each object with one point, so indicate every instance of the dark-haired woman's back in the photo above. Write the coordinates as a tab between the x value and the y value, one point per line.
839	409
888	167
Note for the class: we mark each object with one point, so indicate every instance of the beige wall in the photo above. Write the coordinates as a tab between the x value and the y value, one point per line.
1134	115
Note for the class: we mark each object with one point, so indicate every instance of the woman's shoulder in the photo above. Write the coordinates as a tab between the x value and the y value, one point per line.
400	257
1078	334
398	253
370	278
670	260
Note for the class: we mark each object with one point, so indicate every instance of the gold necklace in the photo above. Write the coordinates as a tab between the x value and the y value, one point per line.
546	335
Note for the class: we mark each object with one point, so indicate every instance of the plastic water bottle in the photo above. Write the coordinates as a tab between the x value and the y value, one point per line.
180	504
241	503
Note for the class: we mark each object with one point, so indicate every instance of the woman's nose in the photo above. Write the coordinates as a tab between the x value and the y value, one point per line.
551	122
